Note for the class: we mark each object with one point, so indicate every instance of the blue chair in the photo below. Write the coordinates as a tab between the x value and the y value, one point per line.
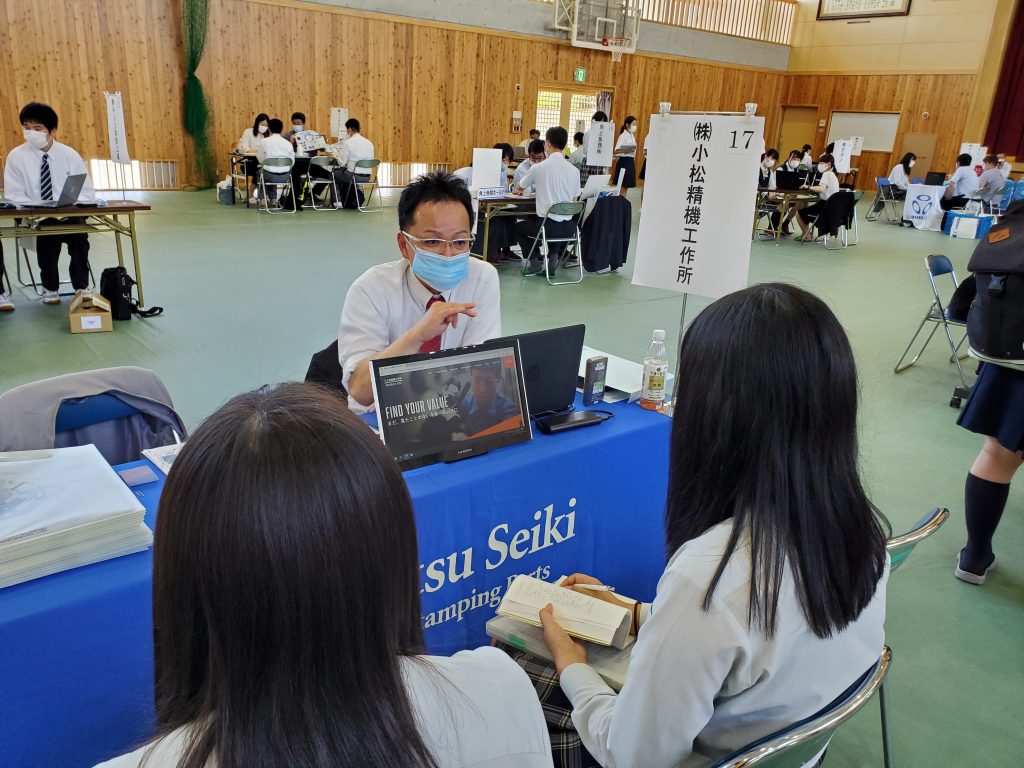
795	745
917	180
1018	193
1009	195
885	200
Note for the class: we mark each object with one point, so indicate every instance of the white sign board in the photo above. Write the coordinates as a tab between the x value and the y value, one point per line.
976	151
842	152
699	192
858	145
115	128
600	144
487	170
339	116
921	206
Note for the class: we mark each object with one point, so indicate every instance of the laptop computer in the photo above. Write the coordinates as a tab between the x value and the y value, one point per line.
935	178
551	359
518	153
450	405
788	180
68	195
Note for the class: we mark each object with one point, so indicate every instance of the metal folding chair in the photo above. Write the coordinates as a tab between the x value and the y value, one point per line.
794	746
885	195
367	168
765	208
845	202
570	246
937	265
21	254
313	182
999	203
276	166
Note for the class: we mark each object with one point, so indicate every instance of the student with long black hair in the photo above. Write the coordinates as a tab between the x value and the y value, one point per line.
773	599
625	153
286	611
248	143
899	176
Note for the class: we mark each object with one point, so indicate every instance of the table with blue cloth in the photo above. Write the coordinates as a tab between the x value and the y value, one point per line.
76	648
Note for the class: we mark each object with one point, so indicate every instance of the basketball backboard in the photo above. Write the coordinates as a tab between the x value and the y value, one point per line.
612	25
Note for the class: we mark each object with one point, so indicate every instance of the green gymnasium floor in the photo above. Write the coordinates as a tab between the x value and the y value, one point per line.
250	297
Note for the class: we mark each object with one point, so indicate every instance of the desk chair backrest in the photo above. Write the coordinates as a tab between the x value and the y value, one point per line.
365	167
900	547
1018	186
322	162
1009	194
278	164
938	265
567	209
797	744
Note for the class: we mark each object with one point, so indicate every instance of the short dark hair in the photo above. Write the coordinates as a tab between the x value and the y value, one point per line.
827	158
772	153
795	491
285	534
507	153
578	136
806	148
557	137
298	116
353	124
797	154
275	125
535	147
599	117
990	159
261	117
437	187
963	159
37	112
533	131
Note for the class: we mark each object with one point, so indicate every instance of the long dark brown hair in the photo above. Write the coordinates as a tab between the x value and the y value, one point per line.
765	433
285	590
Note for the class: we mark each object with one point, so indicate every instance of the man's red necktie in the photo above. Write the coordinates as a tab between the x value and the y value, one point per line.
434	345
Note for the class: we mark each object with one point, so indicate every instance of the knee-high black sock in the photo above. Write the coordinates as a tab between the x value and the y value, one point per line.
983	503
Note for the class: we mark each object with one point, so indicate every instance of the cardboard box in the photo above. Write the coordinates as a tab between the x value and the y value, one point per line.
90	313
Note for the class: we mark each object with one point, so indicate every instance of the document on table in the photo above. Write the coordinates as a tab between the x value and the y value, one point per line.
163	456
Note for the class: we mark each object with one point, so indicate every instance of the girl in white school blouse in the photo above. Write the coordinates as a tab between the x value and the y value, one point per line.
625	153
286	610
773	599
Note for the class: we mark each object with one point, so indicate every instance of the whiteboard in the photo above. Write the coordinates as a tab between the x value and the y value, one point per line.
877	128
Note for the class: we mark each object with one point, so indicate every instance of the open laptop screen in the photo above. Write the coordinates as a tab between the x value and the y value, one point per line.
450	405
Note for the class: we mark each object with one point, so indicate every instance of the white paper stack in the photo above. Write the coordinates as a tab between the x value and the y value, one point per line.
63	508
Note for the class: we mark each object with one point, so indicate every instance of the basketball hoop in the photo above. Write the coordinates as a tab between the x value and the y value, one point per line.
616	45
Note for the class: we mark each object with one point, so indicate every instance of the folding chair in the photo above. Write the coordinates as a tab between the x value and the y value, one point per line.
766	208
366	168
899	548
569	246
278	166
937	265
328	164
998	204
1018	189
21	253
794	746
841	213
885	200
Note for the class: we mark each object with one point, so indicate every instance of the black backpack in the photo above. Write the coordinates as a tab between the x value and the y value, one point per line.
995	325
116	287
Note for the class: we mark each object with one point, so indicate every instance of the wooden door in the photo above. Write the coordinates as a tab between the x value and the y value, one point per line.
799	127
922	145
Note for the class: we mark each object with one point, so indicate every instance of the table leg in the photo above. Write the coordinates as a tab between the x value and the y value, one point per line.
135	256
783	212
117	241
487	231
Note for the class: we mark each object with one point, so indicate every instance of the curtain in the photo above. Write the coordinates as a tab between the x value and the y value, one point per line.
196	108
1006	123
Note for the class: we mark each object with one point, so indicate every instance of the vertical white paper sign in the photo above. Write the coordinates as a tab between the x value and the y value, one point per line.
115	128
487	168
698	202
600	144
339	116
841	153
858	145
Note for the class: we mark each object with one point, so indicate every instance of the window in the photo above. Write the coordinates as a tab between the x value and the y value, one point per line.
549	110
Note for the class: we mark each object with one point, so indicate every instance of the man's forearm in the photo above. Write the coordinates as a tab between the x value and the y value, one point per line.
360	387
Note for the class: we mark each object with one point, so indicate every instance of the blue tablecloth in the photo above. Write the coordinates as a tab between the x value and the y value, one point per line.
76	648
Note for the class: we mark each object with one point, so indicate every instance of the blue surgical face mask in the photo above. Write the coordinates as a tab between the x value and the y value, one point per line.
440	272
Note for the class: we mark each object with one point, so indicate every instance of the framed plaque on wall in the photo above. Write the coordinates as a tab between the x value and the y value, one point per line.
861	9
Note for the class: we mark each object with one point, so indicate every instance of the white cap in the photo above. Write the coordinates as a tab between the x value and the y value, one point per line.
659	335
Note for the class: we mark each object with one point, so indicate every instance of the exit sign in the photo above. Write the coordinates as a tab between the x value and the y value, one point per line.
581	75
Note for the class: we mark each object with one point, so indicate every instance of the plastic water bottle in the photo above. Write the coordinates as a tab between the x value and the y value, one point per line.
652	394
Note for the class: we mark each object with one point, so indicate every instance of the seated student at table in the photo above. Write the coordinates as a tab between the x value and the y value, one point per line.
765	174
534	135
773	600
588	170
248	143
36	171
556	181
298	125
434	297
277	146
534	154
355	148
991	181
286	608
625	153
578	154
1005	168
962	184
827	186
899	176
789	176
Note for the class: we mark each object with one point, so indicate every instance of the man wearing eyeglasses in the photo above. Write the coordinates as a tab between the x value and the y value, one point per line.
435	297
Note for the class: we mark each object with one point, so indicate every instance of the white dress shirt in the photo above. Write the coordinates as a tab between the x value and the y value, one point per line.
807	160
275	145
388	299
1006	168
556	181
898	177
626	144
702	684
476	709
355	147
830	182
24	163
249	144
520	171
964	181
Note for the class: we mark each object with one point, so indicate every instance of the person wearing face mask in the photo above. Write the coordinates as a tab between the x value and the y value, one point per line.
248	143
899	176
1004	167
625	153
827	186
535	155
36	171
298	125
556	181
765	174
434	297
991	181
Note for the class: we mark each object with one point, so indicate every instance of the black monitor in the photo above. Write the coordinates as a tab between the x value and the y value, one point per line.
788	180
935	178
450	405
551	363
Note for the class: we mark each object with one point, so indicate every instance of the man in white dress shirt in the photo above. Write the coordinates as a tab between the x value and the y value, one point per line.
355	148
35	172
435	297
535	153
556	181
